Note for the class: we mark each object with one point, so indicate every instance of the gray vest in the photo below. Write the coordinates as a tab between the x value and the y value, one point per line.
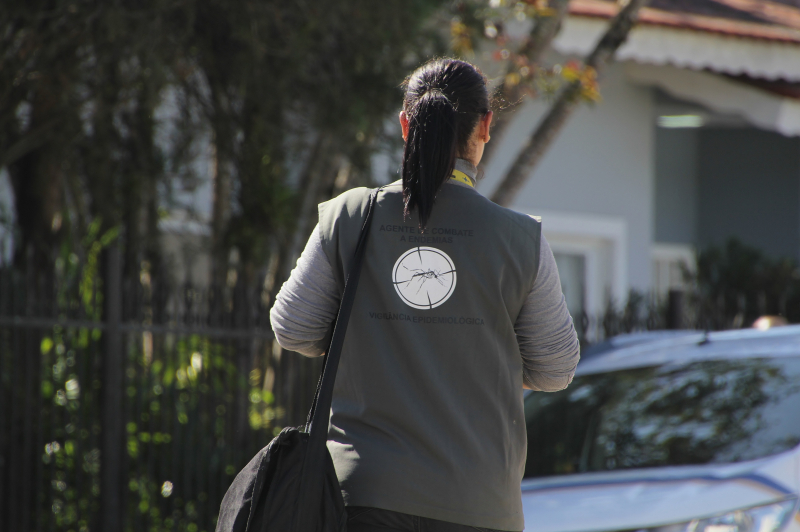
427	414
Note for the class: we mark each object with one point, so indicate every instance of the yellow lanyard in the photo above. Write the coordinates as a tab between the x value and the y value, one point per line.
461	177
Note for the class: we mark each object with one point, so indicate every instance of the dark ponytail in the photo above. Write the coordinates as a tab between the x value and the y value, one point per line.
444	100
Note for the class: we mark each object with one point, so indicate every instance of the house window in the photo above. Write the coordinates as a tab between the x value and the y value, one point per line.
572	271
591	256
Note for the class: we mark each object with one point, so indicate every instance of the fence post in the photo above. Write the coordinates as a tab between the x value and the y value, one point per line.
675	309
111	474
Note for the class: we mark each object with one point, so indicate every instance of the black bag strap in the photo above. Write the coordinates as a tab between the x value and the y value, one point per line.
317	423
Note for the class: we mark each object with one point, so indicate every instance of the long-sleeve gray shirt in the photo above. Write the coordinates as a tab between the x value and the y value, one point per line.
308	302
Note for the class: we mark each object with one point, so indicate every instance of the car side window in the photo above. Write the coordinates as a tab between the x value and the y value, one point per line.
717	411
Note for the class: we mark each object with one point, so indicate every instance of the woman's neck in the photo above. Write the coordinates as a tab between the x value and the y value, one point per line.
465	166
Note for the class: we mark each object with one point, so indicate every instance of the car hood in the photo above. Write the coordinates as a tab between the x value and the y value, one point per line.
633	499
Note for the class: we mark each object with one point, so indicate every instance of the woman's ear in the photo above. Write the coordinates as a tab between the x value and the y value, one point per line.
404	124
485	124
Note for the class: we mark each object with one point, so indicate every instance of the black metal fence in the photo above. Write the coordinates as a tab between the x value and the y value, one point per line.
130	404
678	309
131	407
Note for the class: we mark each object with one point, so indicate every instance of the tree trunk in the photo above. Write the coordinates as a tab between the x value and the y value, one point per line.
36	178
36	181
220	214
311	182
565	105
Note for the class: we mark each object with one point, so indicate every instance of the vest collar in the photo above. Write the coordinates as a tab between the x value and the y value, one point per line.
465	172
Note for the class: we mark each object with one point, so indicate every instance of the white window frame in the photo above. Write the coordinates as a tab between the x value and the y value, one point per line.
602	241
668	254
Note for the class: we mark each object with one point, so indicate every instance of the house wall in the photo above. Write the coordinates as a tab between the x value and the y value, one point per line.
749	187
676	186
601	164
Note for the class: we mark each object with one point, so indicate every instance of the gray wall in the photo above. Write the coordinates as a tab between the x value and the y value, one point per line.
749	187
601	163
676	186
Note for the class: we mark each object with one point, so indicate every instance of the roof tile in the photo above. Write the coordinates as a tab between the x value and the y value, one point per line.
773	20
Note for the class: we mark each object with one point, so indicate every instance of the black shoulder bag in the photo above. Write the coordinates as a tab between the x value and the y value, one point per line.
291	485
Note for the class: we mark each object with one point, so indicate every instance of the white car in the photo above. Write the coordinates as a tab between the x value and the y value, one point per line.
685	432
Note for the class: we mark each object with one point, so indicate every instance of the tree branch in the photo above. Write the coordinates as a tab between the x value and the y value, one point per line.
30	141
565	105
535	46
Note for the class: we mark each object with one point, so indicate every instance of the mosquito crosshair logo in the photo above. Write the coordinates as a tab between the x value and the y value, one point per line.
424	277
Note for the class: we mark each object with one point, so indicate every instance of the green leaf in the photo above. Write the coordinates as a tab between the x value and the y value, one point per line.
47	345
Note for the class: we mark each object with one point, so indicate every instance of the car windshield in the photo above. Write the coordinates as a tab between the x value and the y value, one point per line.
717	411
